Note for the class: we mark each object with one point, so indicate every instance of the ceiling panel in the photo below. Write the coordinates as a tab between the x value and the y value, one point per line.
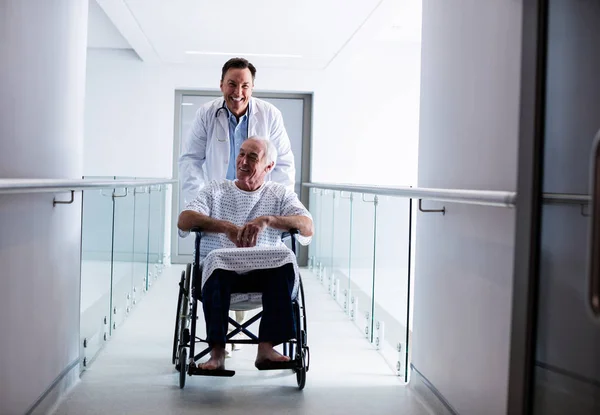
312	30
102	33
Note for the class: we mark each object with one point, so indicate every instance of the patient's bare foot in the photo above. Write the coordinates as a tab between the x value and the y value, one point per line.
267	353
217	359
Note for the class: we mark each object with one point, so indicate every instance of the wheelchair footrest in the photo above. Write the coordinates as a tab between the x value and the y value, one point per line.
269	365
216	372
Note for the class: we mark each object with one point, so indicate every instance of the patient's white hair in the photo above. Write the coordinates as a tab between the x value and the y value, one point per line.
271	151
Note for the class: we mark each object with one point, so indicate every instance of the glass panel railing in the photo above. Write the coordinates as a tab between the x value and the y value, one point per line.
156	231
140	281
326	215
392	281
123	251
342	236
122	266
96	270
314	207
362	261
165	255
363	241
376	224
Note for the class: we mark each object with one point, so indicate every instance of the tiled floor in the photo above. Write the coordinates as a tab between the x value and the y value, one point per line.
134	375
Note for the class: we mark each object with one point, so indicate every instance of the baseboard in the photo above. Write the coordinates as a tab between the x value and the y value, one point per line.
432	397
64	382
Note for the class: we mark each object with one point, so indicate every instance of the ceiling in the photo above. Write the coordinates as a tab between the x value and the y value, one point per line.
102	33
305	34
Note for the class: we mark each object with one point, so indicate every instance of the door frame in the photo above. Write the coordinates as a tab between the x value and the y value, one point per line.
305	168
534	45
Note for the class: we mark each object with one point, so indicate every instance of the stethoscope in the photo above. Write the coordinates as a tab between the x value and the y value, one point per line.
224	107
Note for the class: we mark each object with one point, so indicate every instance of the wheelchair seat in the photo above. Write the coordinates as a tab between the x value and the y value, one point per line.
245	301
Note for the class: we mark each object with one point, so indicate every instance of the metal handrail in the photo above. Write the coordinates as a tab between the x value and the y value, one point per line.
473	197
566	199
13	186
477	197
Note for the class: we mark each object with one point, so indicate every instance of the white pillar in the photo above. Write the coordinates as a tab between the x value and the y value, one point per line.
42	83
468	139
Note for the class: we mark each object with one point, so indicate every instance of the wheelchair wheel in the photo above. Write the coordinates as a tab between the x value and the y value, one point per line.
301	345
177	318
301	378
185	307
301	356
182	332
182	367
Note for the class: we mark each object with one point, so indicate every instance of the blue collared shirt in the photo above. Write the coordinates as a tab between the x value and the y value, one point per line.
238	132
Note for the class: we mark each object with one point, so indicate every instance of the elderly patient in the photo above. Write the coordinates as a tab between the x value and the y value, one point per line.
247	214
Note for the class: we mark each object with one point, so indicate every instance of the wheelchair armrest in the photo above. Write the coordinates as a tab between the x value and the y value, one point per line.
198	231
290	234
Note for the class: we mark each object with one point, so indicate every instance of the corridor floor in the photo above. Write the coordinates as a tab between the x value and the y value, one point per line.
133	373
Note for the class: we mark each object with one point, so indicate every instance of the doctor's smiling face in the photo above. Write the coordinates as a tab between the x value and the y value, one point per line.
236	86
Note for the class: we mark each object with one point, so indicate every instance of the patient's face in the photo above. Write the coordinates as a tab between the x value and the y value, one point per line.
251	164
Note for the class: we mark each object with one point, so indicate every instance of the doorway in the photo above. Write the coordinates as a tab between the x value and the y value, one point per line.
555	345
296	110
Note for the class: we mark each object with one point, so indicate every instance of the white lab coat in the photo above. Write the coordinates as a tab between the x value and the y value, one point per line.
205	152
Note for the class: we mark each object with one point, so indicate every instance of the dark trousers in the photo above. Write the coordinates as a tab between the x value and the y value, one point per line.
277	324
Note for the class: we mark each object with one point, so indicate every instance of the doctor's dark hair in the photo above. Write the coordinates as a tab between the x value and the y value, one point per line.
238	63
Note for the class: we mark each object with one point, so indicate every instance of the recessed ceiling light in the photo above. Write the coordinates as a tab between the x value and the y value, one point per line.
265	55
187	103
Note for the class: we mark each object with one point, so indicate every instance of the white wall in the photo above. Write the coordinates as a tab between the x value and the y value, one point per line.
130	109
366	106
468	139
42	81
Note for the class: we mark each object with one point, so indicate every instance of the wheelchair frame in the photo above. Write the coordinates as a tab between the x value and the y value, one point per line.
187	311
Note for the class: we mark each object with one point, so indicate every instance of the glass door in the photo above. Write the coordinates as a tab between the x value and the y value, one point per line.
556	320
567	352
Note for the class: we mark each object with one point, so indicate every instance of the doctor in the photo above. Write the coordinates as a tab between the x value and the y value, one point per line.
220	126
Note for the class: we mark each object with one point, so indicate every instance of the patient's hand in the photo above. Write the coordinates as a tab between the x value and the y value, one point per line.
232	233
248	234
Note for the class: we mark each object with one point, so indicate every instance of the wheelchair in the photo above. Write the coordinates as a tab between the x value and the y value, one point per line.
185	339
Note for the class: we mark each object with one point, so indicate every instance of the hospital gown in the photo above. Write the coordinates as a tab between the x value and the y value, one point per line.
223	200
